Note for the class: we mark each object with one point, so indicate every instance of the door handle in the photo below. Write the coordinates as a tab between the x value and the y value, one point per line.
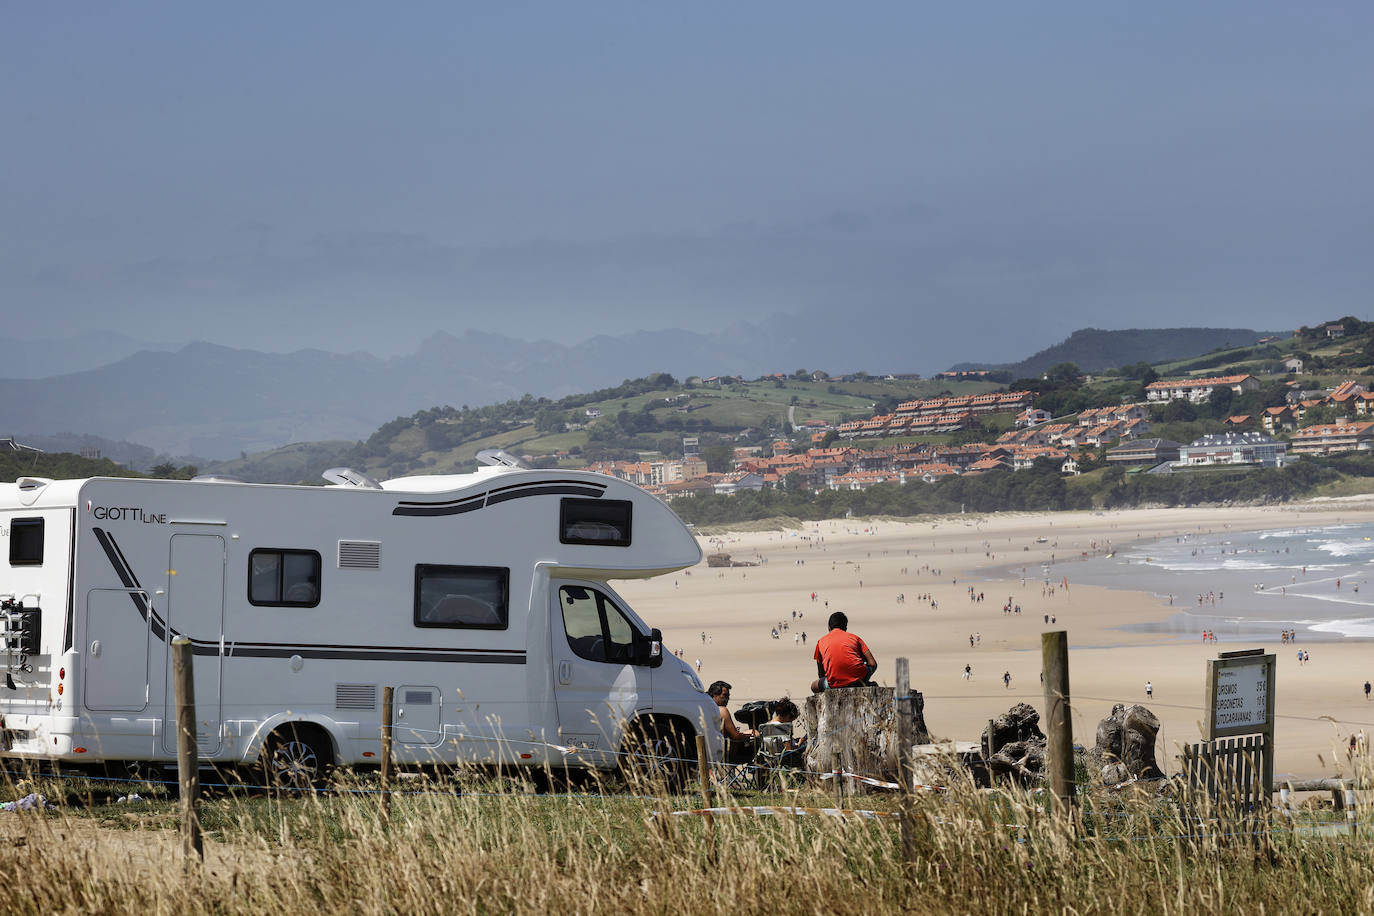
564	673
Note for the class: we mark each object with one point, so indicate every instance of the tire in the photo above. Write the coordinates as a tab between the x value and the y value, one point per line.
132	771
297	757
657	756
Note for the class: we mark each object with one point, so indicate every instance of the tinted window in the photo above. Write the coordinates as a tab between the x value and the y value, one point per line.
472	597
26	542
595	627
284	578
595	521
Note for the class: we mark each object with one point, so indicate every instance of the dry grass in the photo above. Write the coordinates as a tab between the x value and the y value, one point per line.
497	849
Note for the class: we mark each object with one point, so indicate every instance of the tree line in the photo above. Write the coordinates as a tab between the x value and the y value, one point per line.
1041	488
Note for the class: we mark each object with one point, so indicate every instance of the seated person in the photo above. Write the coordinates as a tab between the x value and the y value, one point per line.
842	659
776	734
739	744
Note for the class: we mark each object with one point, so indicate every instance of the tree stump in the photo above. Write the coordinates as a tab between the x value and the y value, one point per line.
861	723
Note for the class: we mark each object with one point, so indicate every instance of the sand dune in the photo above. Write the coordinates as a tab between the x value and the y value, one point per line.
862	567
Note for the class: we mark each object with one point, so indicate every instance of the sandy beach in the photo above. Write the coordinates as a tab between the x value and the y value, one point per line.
905	587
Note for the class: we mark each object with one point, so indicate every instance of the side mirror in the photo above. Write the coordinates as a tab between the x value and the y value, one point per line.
655	647
649	649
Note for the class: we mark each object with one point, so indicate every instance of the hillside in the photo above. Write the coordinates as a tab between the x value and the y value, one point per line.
59	466
642	415
1093	350
652	414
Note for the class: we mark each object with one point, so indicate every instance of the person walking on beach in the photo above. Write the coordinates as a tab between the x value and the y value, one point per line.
1366	691
1149	690
1006	679
968	672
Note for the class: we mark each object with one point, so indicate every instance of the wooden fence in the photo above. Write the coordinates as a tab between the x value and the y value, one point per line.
1229	771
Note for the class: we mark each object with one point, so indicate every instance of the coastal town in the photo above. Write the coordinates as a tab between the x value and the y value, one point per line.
854	455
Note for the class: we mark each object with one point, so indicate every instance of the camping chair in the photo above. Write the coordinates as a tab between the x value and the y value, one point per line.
736	769
775	755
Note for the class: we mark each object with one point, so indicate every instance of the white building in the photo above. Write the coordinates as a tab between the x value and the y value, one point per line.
1233	448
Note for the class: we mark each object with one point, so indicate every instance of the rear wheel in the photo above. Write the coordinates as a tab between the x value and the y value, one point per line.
298	757
129	776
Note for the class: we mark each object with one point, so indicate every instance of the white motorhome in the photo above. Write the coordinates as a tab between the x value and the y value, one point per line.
481	598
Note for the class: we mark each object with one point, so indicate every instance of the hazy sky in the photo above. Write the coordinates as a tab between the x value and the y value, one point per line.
350	176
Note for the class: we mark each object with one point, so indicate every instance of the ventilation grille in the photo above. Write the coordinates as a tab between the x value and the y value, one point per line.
355	696
360	555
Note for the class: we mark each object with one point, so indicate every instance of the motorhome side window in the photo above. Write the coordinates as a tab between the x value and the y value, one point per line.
605	522
596	629
284	578
466	597
26	542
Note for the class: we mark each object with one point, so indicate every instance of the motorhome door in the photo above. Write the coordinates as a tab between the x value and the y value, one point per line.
195	608
117	650
597	685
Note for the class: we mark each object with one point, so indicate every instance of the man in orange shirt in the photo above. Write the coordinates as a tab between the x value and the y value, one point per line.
842	659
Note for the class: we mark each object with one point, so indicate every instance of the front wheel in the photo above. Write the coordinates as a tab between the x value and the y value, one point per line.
297	758
658	755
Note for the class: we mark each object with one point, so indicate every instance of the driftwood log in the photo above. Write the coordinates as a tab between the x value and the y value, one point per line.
1014	746
861	723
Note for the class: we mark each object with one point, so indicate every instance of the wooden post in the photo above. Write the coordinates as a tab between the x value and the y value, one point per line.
988	751
1054	651
905	767
704	771
837	769
188	767
1350	808
388	711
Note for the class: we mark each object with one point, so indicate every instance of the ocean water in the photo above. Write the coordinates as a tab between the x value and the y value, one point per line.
1242	585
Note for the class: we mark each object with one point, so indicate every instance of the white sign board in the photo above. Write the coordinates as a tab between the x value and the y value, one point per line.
1240	687
1242	697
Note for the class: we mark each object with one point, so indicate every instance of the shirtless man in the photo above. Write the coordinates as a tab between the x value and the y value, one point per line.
737	741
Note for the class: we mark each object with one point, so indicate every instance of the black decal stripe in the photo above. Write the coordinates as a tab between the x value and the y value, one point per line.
445	502
206	647
130	581
549	490
234	648
544	483
366	654
414	507
436	510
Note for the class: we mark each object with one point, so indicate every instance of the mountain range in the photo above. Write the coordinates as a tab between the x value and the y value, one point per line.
1093	350
211	401
214	402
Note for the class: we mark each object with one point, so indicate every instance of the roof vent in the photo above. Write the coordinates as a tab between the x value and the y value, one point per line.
350	478
499	457
216	478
